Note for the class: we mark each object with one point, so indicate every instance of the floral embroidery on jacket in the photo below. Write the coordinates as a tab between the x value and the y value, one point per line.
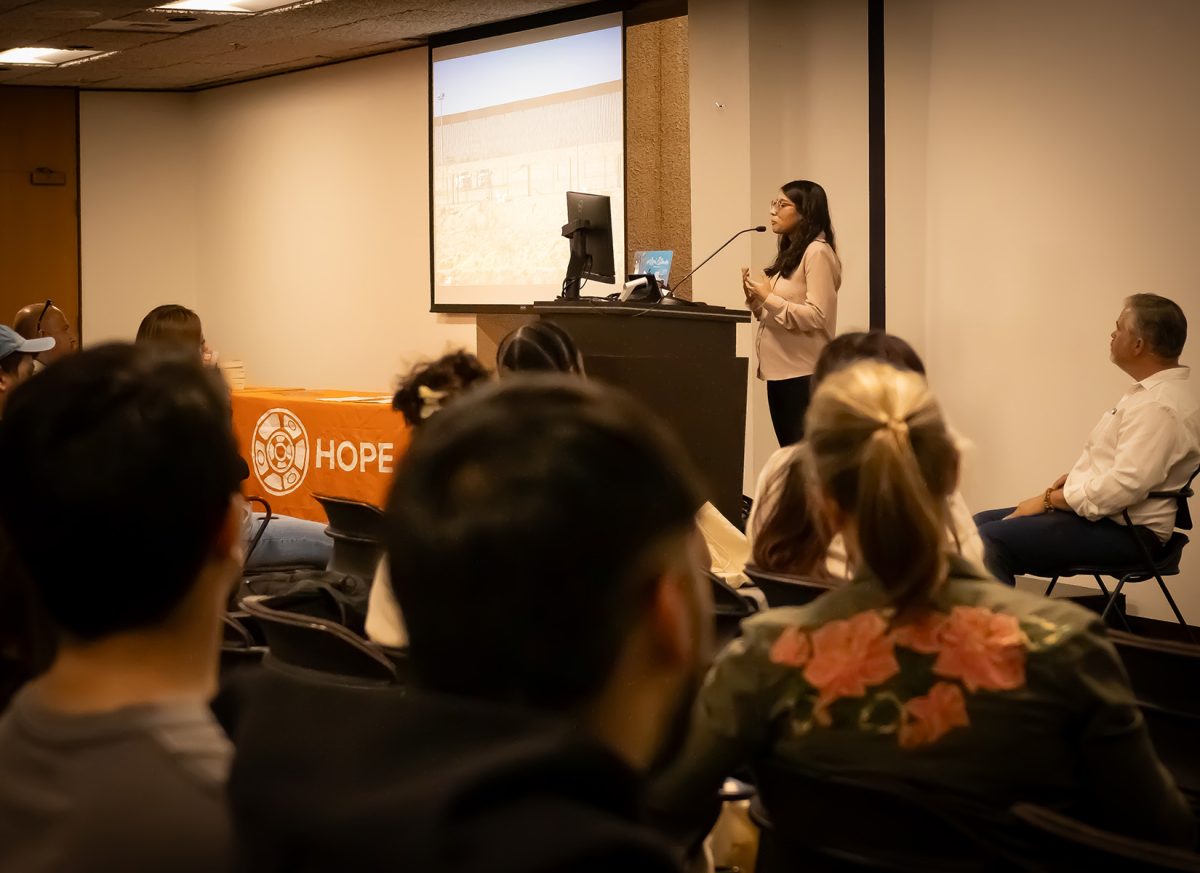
970	649
927	719
848	657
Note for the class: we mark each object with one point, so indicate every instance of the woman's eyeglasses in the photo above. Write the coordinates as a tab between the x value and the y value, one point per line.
778	204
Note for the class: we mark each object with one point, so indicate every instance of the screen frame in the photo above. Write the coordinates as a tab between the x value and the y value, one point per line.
517	25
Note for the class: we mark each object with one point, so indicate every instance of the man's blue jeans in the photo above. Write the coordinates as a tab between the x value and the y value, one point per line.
290	541
1053	542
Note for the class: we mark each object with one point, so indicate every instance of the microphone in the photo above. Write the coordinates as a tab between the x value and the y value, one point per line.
760	229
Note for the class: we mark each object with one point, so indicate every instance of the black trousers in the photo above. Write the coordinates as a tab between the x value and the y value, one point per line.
788	402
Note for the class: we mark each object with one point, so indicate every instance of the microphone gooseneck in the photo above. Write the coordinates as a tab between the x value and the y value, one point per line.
760	229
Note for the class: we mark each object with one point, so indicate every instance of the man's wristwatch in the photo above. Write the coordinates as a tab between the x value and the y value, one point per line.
1047	506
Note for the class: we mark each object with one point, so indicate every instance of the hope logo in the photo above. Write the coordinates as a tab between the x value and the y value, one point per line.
280	451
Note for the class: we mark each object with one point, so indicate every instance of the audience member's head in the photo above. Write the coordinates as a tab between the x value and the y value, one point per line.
128	458
38	320
1149	335
541	540
539	346
16	359
430	386
872	345
791	535
173	325
886	463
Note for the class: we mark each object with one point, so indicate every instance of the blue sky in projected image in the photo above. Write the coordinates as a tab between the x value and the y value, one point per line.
519	73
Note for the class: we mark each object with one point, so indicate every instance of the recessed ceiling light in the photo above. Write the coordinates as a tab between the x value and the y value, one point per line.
45	57
245	7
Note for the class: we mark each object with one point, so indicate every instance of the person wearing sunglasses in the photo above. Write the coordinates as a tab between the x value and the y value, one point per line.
41	320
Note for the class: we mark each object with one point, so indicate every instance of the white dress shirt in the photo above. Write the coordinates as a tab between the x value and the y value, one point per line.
1150	441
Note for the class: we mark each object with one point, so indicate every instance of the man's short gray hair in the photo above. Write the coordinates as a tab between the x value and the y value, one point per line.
1160	322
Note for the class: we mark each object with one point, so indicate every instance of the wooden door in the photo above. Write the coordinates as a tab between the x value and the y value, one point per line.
39	223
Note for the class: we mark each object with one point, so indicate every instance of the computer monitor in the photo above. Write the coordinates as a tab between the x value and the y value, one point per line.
589	228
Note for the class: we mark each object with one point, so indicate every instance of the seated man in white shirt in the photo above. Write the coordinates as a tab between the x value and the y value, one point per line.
1150	441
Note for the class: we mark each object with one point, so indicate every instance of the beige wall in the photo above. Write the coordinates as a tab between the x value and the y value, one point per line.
292	213
1041	167
316	224
779	92
139	199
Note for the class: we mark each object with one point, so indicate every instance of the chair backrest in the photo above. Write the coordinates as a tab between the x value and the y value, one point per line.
352	518
783	589
357	532
1183	515
317	648
262	525
1088	848
824	822
729	608
1165	675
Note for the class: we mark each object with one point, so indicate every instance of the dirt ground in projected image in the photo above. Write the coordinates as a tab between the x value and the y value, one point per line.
498	221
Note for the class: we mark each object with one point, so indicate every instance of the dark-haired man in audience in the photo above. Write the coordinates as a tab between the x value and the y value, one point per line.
42	320
16	359
111	760
1149	441
542	548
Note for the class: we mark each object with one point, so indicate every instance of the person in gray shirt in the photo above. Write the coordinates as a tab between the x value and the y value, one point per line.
111	760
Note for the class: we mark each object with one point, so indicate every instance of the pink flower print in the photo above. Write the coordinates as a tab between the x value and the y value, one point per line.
984	649
847	657
791	648
921	636
927	719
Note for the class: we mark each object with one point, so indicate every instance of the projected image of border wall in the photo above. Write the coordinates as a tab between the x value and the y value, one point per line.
515	127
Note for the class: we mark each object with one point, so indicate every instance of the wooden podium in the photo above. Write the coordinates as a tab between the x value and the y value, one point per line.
678	360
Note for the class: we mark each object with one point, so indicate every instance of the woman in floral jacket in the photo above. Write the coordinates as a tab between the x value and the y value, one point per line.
924	669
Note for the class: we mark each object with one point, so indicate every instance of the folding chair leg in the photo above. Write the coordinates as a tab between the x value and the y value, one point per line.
1175	609
1050	587
1112	600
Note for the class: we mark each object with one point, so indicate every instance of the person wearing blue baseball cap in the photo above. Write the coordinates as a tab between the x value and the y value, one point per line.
16	359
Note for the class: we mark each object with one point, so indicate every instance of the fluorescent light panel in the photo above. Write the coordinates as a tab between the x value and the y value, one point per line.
45	57
245	7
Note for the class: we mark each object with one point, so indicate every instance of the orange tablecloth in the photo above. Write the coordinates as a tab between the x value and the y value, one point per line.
299	442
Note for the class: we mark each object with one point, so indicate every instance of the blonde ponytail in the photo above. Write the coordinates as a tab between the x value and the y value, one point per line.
882	451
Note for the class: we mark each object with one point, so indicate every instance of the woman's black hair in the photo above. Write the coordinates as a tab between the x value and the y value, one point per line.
871	345
540	346
443	379
813	208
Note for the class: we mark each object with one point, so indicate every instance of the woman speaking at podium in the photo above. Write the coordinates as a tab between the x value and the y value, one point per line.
795	303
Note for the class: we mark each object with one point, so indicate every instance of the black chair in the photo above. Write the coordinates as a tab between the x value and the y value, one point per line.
316	647
729	608
1165	676
239	648
357	532
783	589
1150	567
820	822
1056	836
262	525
